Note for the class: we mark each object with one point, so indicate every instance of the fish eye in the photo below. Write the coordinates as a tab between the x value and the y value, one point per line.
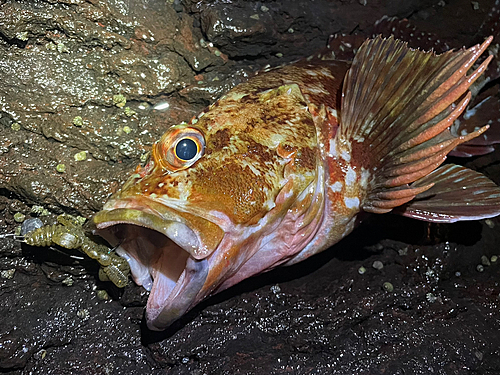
186	149
180	147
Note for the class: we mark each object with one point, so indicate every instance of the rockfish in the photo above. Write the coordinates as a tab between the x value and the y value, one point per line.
279	168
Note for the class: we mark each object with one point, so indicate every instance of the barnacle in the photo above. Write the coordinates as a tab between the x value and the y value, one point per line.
69	234
119	100
388	287
51	46
129	112
78	121
79	156
62	48
39	210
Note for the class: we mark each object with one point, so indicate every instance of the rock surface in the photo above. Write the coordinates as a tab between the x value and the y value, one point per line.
100	81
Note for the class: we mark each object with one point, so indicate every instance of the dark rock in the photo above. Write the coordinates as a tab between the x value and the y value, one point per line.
248	29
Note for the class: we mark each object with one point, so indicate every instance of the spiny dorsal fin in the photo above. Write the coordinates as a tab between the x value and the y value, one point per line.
397	106
458	193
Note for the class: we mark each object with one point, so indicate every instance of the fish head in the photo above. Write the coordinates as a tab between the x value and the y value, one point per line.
213	189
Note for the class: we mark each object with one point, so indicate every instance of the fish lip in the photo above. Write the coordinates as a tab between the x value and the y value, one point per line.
182	298
198	235
168	224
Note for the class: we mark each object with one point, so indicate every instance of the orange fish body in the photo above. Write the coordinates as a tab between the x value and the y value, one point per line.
279	168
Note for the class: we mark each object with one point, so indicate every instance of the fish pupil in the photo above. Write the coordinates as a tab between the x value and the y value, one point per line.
186	149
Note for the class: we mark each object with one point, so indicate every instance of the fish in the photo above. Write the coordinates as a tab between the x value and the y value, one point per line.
283	166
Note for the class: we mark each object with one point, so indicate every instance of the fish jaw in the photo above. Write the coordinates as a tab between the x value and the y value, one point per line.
166	251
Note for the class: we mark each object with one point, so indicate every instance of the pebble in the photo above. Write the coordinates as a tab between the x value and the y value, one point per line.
19	217
8	274
29	225
387	286
485	261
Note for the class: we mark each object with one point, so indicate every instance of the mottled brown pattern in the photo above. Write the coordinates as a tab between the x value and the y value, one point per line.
331	85
218	141
335	172
359	157
261	153
235	187
306	158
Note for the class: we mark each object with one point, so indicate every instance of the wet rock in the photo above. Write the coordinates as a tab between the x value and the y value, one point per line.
109	49
52	324
248	29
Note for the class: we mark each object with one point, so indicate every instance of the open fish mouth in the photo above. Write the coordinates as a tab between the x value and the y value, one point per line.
166	255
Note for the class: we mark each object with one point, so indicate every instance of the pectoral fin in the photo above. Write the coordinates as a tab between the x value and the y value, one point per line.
458	194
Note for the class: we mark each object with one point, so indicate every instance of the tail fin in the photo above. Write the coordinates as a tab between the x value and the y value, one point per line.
397	107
